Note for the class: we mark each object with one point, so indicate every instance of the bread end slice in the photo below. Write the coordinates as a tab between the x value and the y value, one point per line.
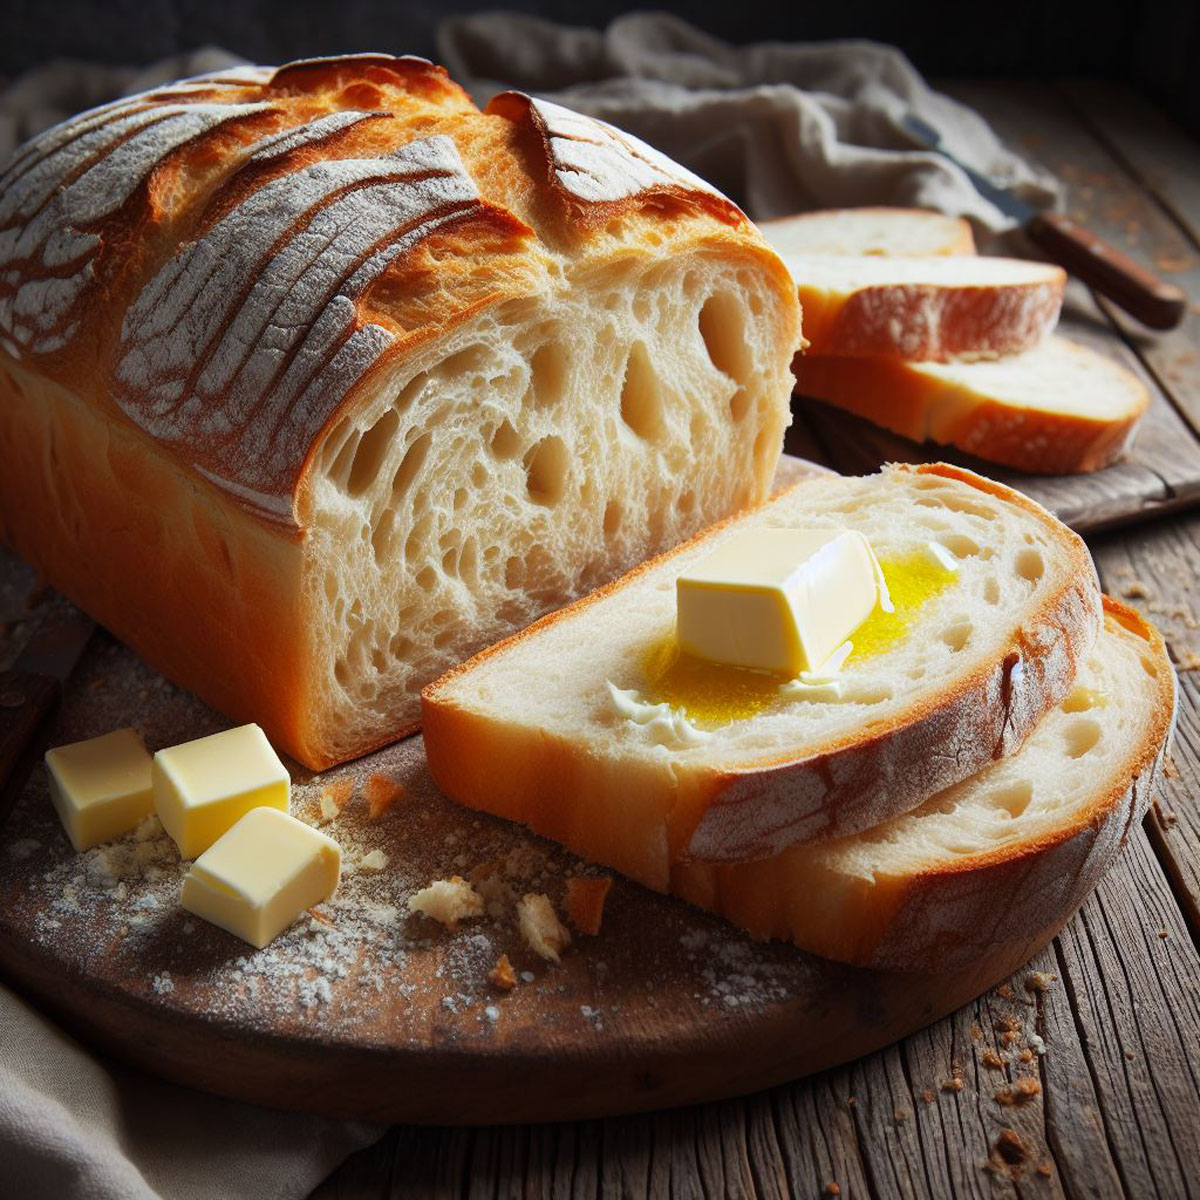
1060	408
998	861
882	231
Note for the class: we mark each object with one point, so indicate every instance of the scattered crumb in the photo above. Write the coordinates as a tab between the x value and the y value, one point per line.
927	1096
383	794
1026	1056
1021	1092
1129	1056
543	932
1007	1024
1036	981
448	901
992	1060
502	974
1044	1170
1006	992
1162	933
1010	1148
832	1189
375	860
318	915
1136	590
953	1084
585	903
1036	1044
333	796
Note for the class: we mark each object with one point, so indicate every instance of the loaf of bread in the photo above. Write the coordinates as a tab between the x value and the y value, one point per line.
315	380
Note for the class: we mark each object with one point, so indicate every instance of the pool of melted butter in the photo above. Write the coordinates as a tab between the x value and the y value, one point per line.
713	694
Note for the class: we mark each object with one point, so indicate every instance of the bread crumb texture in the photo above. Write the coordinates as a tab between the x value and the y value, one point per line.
543	932
448	901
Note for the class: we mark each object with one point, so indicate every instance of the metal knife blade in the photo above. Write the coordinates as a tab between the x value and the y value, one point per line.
1140	292
1003	198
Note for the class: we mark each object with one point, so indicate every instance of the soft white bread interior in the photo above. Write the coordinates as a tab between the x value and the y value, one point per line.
1058	408
314	380
925	308
999	860
529	729
908	232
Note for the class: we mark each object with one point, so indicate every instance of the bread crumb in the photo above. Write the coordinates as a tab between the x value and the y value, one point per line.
1005	992
1044	1170
334	795
1136	590
953	1084
832	1189
927	1096
382	795
1036	981
376	860
1021	1092
992	1060
502	975
543	932
1010	1149
448	901
585	903
317	915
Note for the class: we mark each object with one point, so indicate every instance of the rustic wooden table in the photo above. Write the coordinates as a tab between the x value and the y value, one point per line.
1113	1106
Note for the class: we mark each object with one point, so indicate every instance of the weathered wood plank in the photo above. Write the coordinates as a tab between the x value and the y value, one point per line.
1105	197
1157	570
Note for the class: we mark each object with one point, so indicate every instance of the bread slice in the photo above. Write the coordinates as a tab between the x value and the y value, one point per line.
925	308
890	232
1057	408
529	729
997	861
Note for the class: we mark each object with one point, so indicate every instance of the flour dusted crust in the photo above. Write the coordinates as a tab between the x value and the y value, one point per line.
314	380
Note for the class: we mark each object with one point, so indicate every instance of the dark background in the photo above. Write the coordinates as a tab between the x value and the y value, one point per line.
1152	44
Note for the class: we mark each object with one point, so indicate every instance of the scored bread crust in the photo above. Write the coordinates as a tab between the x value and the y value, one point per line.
207	288
757	810
916	404
964	907
924	320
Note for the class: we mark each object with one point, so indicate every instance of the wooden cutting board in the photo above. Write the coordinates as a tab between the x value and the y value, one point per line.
366	1010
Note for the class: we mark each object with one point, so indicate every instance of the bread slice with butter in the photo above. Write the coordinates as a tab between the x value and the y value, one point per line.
738	766
1058	408
889	232
933	308
997	861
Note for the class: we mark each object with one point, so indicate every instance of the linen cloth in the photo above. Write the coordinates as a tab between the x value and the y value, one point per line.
778	127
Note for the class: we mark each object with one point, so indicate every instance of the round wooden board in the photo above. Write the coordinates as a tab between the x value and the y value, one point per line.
368	1011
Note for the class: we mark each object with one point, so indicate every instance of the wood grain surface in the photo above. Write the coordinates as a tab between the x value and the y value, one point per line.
1114	997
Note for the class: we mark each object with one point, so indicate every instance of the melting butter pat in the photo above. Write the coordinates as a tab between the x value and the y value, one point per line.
780	600
202	788
261	874
101	788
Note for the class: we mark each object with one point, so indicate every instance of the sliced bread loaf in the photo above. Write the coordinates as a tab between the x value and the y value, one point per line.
1000	860
907	232
1057	408
996	602
925	308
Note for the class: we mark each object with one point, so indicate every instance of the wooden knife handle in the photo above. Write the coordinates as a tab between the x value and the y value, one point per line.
26	701
1139	292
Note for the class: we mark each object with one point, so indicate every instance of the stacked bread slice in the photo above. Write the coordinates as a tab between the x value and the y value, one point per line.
907	327
948	793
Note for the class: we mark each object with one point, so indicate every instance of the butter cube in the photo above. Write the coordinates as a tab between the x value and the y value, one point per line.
778	600
100	788
201	788
258	877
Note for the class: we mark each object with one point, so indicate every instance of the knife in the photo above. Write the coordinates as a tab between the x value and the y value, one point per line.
1142	294
30	691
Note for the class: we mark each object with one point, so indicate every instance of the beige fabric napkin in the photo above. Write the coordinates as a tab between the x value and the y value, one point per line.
74	1129
779	127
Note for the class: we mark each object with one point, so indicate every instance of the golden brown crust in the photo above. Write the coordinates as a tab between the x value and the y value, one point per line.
888	393
754	812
